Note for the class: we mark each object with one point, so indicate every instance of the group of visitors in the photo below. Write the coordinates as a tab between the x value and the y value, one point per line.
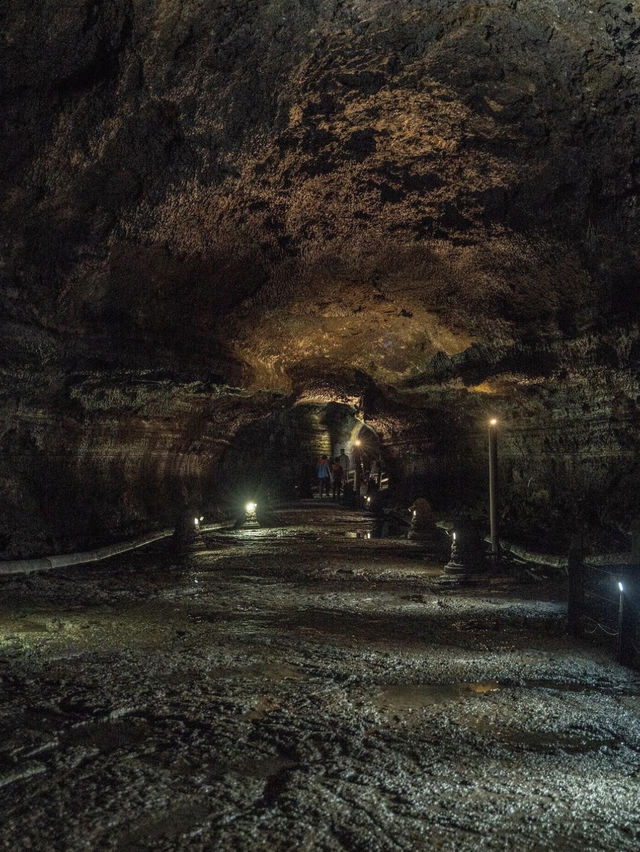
331	474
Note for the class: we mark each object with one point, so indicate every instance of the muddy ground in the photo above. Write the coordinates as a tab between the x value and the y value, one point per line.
300	687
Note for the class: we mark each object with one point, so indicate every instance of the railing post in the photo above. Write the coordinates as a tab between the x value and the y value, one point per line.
493	490
575	604
624	643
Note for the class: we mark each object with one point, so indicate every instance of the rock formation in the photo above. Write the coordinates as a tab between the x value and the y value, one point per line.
212	212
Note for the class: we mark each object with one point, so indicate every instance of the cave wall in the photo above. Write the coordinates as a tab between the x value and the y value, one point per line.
208	209
568	440
92	460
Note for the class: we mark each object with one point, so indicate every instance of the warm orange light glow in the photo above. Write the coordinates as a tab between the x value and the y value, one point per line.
493	422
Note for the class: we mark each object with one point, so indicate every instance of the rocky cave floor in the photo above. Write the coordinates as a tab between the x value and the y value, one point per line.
300	687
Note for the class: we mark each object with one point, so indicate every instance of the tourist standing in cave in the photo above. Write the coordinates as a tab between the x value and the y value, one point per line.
324	476
336	478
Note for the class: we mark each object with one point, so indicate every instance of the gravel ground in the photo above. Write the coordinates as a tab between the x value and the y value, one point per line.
300	687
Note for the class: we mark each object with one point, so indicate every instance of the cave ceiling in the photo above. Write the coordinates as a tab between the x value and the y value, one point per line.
313	196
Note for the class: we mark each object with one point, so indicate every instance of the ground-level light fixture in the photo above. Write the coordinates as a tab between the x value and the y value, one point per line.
247	516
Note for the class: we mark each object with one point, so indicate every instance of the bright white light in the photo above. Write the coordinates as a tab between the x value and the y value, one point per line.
454	536
201	518
368	499
357	442
620	586
493	422
196	521
251	507
414	513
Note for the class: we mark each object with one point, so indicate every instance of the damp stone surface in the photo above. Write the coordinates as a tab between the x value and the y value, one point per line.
294	687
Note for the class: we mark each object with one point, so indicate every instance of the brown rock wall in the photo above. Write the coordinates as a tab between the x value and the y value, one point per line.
435	200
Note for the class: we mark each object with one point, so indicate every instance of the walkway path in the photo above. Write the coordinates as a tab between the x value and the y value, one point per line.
305	687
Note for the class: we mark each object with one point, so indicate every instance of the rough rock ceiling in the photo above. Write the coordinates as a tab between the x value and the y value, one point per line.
274	184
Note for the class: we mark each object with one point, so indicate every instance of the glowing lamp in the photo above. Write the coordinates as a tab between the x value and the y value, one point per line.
196	521
493	421
620	586
250	508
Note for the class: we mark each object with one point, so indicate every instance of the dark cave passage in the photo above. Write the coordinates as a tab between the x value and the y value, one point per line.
277	455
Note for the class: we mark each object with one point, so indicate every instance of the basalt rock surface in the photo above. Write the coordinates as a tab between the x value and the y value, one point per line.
425	210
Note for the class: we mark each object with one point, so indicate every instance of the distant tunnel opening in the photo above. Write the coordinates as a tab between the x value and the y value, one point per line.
276	456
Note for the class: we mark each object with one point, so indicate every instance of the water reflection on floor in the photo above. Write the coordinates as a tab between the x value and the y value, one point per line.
416	696
378	530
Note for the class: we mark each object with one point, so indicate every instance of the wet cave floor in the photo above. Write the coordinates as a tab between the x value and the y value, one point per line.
300	687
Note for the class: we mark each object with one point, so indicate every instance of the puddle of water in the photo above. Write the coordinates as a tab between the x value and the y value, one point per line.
173	824
406	698
416	697
580	742
378	530
107	736
274	671
552	741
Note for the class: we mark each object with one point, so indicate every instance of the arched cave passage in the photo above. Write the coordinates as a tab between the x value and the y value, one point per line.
276	455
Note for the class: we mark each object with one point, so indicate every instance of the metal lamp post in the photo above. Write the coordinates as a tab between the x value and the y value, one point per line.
493	487
358	466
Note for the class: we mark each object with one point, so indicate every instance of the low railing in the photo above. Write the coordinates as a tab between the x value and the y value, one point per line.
605	599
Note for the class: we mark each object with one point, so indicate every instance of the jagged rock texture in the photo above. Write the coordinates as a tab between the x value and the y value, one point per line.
428	206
